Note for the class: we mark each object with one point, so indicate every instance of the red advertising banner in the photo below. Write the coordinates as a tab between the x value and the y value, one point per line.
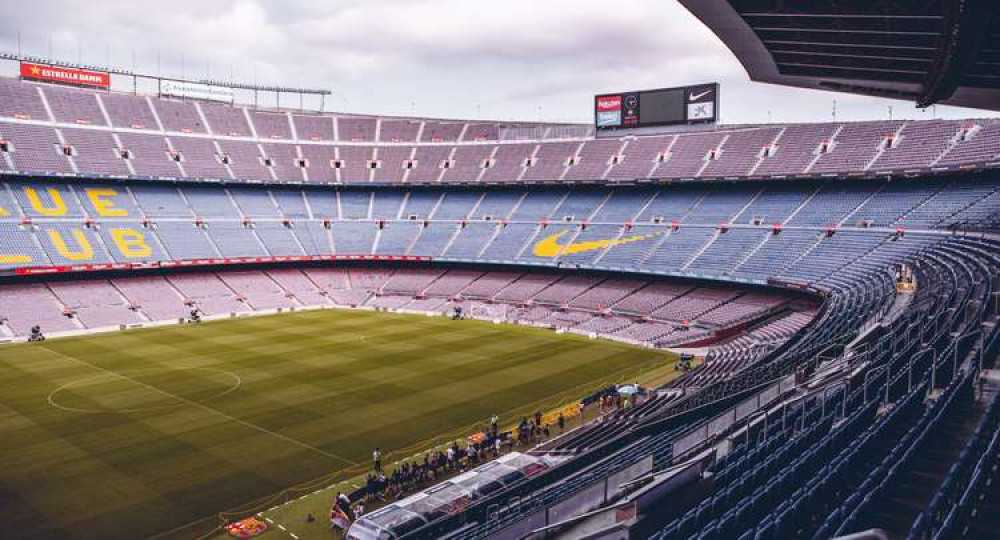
609	103
78	77
40	270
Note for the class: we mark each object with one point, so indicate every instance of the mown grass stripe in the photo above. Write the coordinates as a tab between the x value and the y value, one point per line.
308	376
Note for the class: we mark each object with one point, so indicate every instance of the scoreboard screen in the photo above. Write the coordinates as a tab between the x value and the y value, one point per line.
664	107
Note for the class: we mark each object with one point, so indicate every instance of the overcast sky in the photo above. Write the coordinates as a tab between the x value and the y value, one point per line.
511	59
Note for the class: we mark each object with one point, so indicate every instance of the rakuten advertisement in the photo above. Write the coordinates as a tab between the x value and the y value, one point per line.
609	111
196	91
77	77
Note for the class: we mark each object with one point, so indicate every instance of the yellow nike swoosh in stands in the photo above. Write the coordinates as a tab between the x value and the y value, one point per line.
550	246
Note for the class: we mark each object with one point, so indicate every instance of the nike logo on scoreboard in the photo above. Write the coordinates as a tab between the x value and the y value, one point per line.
550	247
696	97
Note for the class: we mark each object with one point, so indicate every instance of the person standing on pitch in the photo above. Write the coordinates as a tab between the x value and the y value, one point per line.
377	458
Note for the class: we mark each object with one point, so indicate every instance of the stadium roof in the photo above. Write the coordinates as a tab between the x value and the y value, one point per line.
926	51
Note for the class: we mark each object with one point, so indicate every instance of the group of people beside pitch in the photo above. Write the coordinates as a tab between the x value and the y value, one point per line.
388	485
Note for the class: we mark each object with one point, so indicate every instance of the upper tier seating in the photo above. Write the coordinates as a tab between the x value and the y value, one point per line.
127	111
300	147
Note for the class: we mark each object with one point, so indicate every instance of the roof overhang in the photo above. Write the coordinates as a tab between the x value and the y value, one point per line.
925	52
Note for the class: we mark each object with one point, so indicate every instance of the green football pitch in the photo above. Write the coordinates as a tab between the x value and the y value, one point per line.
137	433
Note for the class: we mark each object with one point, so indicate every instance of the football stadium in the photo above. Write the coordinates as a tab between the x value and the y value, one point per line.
220	319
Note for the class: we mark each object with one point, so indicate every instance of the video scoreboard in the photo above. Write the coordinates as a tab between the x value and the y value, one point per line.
697	104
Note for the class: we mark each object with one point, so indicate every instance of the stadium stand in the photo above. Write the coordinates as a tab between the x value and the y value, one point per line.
796	150
788	288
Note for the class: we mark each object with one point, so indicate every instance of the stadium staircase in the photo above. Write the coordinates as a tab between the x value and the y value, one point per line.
920	480
980	503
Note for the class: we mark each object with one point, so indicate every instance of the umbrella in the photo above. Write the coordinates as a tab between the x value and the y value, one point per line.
628	389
